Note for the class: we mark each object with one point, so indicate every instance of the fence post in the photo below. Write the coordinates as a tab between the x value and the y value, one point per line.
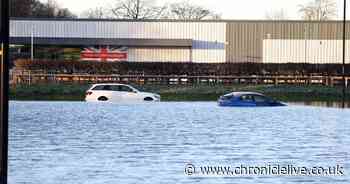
4	82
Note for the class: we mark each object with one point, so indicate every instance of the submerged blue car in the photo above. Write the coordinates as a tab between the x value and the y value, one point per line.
247	99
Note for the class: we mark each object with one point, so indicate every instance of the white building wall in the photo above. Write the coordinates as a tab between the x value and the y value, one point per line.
209	38
304	51
159	55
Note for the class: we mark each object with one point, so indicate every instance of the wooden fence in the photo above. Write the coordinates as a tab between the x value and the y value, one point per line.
38	77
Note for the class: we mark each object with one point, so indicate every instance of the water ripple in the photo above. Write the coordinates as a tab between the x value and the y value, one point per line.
73	142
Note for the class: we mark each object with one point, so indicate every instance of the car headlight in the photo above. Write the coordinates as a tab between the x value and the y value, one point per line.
157	96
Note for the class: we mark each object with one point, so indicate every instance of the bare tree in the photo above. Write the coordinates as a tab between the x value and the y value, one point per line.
187	11
319	10
277	15
96	13
52	8
64	13
35	8
138	9
20	8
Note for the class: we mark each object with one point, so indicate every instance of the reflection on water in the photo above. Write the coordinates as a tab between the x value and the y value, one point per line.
324	104
73	143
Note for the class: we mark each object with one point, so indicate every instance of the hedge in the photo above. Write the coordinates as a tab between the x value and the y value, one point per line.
191	69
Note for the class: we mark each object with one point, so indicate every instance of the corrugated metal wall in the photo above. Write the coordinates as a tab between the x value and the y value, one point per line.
208	37
246	39
304	51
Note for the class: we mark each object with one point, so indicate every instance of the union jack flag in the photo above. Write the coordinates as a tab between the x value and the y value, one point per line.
104	54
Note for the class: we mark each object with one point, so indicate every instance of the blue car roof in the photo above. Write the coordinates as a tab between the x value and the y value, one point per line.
244	93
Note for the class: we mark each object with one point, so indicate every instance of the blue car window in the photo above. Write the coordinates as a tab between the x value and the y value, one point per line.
259	99
247	98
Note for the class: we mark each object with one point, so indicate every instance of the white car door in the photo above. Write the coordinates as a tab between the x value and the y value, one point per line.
128	94
102	93
116	94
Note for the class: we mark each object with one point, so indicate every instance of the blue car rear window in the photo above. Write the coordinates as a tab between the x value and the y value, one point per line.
227	97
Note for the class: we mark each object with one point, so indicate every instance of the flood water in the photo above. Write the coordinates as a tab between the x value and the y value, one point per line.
77	142
332	104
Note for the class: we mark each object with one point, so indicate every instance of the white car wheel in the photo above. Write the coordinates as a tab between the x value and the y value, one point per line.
102	98
148	99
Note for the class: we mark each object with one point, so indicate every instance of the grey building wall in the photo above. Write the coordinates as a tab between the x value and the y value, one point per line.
246	38
211	41
208	38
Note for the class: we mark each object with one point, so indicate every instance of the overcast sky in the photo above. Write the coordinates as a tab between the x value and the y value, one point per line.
229	9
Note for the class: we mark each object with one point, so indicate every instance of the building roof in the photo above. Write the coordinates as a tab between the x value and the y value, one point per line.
127	42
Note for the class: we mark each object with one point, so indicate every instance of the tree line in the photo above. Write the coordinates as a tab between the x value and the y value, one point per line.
312	10
186	10
37	9
123	9
148	9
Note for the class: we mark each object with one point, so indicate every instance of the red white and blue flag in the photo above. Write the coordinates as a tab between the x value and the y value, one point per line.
104	54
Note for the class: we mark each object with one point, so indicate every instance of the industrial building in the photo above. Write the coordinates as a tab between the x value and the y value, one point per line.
185	41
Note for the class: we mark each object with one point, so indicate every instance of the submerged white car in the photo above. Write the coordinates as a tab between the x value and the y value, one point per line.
118	93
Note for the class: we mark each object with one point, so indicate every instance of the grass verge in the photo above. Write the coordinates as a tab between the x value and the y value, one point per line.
76	92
